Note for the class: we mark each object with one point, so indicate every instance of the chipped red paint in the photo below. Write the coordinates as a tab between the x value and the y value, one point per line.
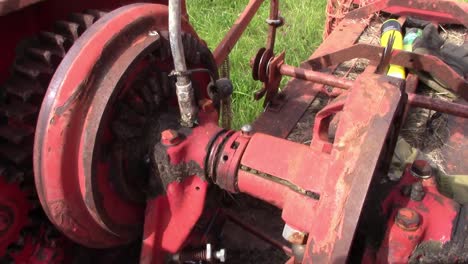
321	188
67	176
315	181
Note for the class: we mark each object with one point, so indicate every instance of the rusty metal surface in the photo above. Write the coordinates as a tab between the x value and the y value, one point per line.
444	11
329	183
298	94
315	76
419	62
438	105
436	67
274	15
326	182
268	73
231	38
75	206
412	82
360	50
360	138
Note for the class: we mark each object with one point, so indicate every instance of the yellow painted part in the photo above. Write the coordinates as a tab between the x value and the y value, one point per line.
394	70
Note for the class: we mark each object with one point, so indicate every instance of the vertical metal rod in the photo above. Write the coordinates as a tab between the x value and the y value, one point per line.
184	89
274	15
231	38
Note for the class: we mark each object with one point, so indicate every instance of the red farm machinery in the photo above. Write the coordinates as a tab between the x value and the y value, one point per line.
112	150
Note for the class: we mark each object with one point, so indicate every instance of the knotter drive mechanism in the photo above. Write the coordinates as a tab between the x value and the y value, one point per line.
128	148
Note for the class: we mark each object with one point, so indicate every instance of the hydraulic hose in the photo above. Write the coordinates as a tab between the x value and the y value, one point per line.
184	89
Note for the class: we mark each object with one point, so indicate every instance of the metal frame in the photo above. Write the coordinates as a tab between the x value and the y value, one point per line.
280	117
327	182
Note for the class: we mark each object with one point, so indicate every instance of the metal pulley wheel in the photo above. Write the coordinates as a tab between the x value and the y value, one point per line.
104	109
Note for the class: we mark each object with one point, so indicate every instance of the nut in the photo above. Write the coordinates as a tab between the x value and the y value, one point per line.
421	169
417	191
408	219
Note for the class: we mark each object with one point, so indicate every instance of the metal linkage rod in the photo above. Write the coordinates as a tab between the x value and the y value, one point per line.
236	31
184	89
438	105
315	76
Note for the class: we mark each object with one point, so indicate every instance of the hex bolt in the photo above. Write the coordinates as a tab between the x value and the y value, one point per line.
170	137
417	191
293	235
421	169
247	130
407	219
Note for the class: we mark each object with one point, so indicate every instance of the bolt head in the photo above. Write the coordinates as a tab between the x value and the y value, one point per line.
408	219
417	191
421	169
247	130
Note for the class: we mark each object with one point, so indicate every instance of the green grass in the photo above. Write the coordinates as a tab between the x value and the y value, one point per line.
300	36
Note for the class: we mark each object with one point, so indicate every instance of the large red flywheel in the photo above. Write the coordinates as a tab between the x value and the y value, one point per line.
108	99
